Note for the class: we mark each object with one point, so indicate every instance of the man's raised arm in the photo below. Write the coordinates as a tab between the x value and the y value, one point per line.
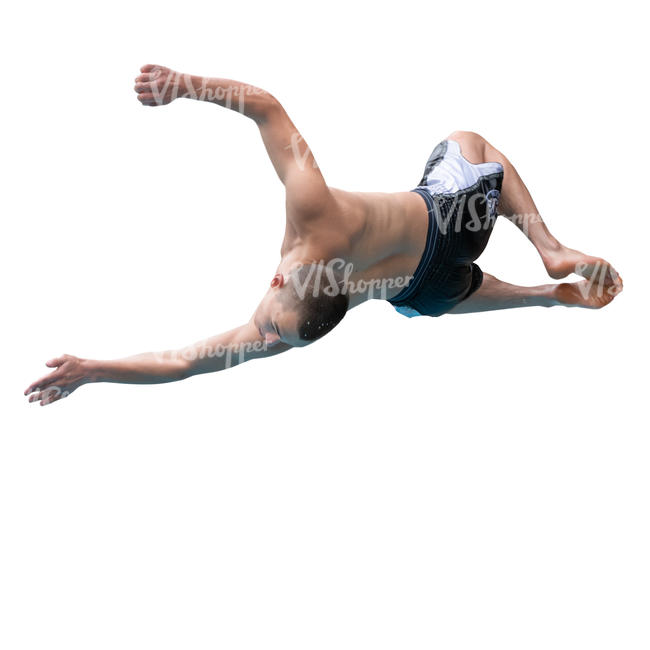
294	163
210	355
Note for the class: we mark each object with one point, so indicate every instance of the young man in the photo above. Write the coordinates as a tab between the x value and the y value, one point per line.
416	249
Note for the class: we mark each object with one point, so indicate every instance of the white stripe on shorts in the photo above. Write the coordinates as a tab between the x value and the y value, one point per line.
454	173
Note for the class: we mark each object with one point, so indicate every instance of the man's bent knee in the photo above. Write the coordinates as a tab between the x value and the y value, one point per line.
472	145
466	135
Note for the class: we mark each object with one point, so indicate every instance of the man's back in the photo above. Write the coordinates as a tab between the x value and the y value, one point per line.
381	235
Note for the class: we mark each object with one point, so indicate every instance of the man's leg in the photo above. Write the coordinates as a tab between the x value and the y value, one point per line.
495	294
517	205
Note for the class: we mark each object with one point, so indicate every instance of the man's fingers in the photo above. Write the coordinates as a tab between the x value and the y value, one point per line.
54	397
147	99
144	87
35	386
42	383
51	395
55	363
153	70
48	395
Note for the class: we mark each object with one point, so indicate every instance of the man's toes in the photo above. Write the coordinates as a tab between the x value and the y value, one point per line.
614	289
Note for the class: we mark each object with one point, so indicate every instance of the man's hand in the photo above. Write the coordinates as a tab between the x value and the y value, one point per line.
70	373
158	85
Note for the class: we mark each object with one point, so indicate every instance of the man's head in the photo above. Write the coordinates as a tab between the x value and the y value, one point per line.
302	305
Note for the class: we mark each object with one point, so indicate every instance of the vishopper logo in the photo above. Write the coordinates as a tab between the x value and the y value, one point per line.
299	156
473	212
232	353
335	277
599	278
167	85
51	393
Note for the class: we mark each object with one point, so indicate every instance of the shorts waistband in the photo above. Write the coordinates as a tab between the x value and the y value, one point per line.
432	235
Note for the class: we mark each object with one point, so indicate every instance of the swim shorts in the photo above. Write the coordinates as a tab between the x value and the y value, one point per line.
461	200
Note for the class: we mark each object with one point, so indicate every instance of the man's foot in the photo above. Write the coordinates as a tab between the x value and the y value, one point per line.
587	293
563	261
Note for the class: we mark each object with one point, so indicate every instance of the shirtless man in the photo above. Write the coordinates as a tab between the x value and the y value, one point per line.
416	248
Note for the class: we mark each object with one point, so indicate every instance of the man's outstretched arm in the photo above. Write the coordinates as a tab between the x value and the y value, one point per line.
217	353
306	190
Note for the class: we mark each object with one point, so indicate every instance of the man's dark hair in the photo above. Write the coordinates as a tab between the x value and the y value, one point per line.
317	294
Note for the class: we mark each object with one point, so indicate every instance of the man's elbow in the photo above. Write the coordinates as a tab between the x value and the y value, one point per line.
178	364
264	108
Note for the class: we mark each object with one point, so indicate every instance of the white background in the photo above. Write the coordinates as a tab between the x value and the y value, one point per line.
475	481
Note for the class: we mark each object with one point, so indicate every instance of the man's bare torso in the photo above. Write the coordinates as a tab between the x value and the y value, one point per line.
382	235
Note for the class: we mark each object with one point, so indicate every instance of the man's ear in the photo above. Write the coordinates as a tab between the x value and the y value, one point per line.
271	339
278	280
